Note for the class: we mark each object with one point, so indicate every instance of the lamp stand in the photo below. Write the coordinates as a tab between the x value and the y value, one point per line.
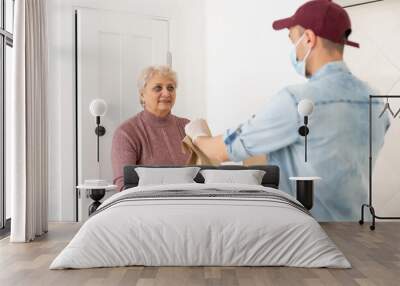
303	131
100	131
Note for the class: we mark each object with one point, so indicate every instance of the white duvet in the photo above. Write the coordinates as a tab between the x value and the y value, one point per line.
200	231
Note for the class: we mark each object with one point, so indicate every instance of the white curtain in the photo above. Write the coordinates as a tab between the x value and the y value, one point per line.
28	122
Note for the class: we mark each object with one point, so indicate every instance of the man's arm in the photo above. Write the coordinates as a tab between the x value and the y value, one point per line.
213	146
275	127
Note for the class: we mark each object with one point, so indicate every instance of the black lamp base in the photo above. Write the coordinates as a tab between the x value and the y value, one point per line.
100	130
96	195
305	193
303	130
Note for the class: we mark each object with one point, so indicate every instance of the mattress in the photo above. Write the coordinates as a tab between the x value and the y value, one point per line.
201	225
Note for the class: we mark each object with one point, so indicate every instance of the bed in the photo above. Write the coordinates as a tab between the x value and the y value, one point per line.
201	224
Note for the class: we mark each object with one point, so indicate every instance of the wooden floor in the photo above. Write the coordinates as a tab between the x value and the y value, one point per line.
375	256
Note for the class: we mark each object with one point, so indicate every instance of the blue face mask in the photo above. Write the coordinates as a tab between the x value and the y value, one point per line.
299	66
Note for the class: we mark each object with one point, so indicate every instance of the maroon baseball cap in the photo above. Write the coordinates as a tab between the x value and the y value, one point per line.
325	18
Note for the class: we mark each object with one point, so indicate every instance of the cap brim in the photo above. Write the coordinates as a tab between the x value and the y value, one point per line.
282	23
352	44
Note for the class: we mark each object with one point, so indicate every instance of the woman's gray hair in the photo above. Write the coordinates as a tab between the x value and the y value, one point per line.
149	72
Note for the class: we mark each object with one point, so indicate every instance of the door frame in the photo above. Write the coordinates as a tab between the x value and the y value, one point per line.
76	83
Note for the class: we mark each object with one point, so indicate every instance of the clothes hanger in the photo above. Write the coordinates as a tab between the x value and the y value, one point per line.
397	113
387	107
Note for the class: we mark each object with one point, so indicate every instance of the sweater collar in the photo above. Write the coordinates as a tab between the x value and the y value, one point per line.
155	120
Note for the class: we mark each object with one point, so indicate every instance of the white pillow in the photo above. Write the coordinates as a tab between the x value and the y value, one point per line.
248	177
162	176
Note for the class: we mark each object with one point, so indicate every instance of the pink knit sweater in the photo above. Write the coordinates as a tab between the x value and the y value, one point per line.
149	140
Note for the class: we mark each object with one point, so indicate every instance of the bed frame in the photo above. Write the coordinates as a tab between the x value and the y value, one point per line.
270	179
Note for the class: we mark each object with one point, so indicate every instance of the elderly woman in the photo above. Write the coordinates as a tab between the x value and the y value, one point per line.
153	136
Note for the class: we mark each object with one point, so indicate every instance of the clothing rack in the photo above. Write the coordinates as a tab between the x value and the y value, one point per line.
369	205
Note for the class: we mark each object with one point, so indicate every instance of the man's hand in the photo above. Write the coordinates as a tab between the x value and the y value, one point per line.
197	128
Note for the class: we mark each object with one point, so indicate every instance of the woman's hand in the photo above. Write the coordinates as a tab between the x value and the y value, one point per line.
197	128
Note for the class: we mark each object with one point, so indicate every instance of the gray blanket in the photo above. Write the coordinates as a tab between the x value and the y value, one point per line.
207	194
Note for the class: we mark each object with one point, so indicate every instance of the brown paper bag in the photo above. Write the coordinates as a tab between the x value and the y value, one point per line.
197	157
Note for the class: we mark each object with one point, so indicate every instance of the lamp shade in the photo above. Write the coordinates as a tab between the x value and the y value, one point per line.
98	107
305	107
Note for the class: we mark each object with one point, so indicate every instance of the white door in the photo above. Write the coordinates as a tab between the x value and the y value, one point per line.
112	50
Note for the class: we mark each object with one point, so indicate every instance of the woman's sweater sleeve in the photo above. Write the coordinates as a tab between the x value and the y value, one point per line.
124	152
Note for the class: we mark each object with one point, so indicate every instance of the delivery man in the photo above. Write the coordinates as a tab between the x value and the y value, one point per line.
338	139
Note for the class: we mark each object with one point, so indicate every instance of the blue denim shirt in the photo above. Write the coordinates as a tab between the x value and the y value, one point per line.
337	142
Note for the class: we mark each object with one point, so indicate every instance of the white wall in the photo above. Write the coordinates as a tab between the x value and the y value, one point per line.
246	60
186	28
